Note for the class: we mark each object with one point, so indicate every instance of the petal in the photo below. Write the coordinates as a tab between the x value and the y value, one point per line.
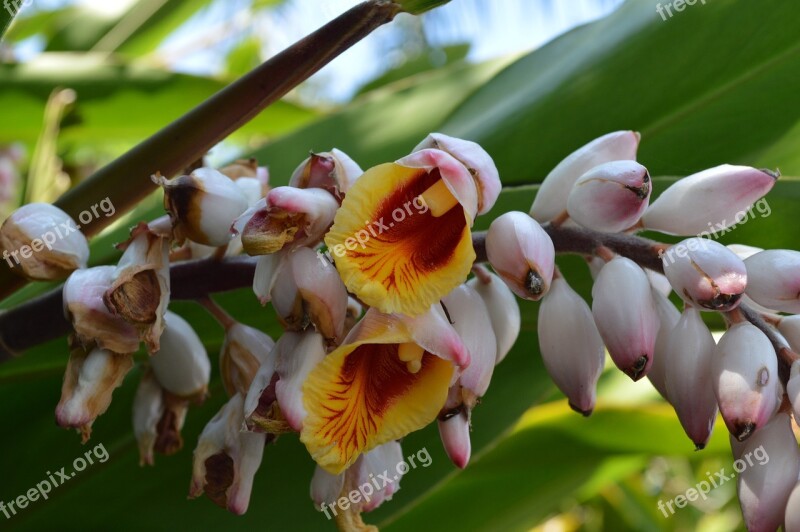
322	291
267	267
362	395
503	310
181	365
454	433
244	351
296	355
390	250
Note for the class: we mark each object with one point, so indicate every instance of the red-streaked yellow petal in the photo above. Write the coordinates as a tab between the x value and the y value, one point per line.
389	248
362	395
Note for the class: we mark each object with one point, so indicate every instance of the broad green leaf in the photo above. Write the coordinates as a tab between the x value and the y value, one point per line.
697	95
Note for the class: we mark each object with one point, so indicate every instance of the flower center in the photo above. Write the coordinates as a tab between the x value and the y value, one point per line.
411	354
439	199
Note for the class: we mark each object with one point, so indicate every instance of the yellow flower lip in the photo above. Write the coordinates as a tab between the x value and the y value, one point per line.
392	250
389	378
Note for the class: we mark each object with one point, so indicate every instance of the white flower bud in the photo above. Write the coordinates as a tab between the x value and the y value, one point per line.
93	322
333	171
668	317
291	218
381	459
789	327
706	274
708	201
158	418
296	356
765	486
308	289
203	205
326	487
792	521
226	459
521	252
610	197
571	347
89	381
244	351
745	379
774	279
267	267
454	432
44	241
551	200
503	310
690	352
475	159
181	366
626	316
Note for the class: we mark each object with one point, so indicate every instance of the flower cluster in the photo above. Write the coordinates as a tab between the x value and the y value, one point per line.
390	325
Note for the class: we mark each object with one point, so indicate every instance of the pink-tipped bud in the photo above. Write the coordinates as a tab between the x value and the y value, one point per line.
226	459
792	520
668	316
708	201
333	171
503	309
203	205
454	432
706	274
769	464
690	350
89	381
291	218
571	347
475	159
43	243
745	379
626	316
774	279
610	197
521	252
181	366
551	200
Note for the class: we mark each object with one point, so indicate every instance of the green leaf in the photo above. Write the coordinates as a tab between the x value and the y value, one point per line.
696	94
417	7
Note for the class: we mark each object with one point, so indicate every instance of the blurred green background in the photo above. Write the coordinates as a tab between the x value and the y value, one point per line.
531	81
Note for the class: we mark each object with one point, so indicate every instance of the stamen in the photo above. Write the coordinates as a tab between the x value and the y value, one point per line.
411	354
439	199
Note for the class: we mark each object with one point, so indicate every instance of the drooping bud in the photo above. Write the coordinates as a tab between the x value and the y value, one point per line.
571	347
610	197
792	521
769	468
793	388
267	267
296	355
158	418
521	252
244	351
626	315
690	350
745	379
668	316
41	242
308	290
181	365
774	279
709	201
291	218
226	459
502	306
203	205
333	171
551	200
475	159
454	433
140	290
85	307
89	381
706	274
